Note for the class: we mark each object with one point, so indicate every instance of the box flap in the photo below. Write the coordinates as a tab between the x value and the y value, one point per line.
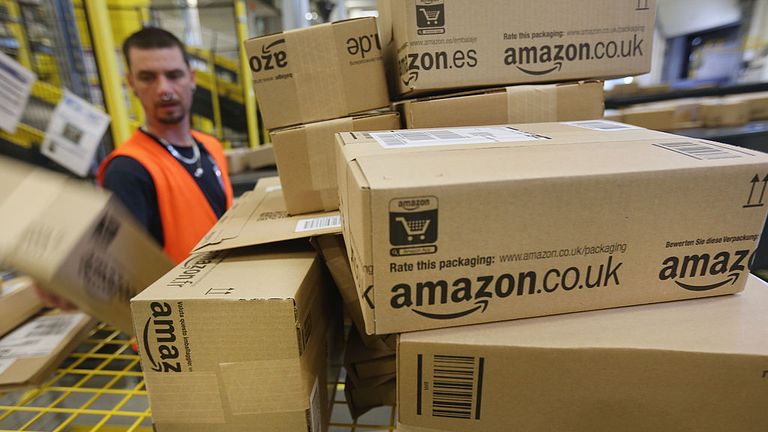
735	324
260	217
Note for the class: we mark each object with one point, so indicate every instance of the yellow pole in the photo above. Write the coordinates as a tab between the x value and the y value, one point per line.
241	29
109	75
216	106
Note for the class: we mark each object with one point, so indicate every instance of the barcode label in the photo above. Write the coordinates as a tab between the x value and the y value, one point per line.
457	386
453	136
319	223
315	409
702	151
38	337
602	125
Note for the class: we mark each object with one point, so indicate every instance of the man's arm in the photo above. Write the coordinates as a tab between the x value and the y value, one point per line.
132	184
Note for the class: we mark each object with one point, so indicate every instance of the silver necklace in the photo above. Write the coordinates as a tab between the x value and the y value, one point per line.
195	159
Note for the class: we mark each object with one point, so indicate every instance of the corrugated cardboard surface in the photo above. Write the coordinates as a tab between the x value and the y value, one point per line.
516	104
260	217
364	363
758	104
440	45
236	340
318	73
362	399
659	117
18	301
306	159
693	366
568	218
78	243
52	342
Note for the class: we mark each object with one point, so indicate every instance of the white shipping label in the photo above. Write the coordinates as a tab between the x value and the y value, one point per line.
5	364
602	125
15	85
318	223
39	337
276	188
451	136
74	133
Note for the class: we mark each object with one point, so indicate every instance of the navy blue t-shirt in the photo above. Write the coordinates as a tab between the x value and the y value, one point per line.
130	182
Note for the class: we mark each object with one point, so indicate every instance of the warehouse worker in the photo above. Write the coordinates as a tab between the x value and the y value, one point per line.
173	179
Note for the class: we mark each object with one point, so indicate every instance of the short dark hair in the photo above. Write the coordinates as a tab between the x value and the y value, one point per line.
152	38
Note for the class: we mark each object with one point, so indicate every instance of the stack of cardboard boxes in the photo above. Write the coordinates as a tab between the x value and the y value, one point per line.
469	228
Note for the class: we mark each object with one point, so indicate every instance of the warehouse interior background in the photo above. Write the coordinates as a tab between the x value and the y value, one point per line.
701	49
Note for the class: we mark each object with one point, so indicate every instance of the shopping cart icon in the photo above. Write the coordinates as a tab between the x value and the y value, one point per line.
431	16
430	19
414	227
413	221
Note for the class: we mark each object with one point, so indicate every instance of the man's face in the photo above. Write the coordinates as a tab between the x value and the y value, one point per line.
163	83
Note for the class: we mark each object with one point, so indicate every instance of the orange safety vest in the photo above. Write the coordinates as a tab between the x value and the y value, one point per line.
185	212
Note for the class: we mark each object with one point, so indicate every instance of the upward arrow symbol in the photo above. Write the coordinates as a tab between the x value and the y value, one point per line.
754	181
762	193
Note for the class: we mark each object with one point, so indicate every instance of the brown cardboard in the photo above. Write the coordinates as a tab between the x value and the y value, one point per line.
18	302
436	45
758	104
331	246
364	363
259	217
237	160
317	73
30	354
693	366
261	157
516	104
306	159
236	341
363	399
78	243
656	117
510	227
613	115
724	112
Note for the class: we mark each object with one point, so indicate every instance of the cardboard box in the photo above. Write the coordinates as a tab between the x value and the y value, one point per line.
516	104
334	253
656	117
76	242
436	45
364	363
758	104
724	112
306	159
468	225
30	354
317	73
363	399
259	217
237	160
18	302
236	341
261	157
695	365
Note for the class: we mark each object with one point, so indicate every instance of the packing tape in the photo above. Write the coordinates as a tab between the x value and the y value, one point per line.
531	104
264	386
319	92
188	397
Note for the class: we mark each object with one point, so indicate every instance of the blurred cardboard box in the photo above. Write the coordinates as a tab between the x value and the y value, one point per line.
643	368
468	225
261	157
306	159
656	117
77	242
18	302
758	104
724	112
318	73
516	104
364	363
236	340
30	354
432	46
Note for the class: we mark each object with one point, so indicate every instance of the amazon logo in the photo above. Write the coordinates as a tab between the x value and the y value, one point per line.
726	266
423	296
159	337
270	58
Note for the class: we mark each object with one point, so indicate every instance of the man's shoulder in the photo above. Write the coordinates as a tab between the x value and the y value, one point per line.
124	165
